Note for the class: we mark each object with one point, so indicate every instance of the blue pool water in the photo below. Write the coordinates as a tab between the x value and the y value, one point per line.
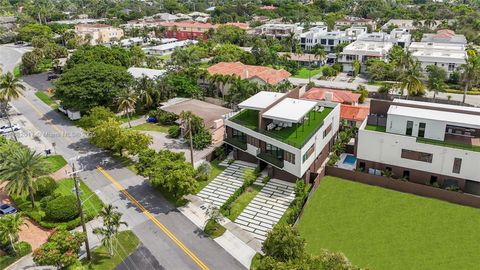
350	160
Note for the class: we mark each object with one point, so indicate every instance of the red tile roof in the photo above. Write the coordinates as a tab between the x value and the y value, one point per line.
447	33
341	96
188	24
268	75
354	113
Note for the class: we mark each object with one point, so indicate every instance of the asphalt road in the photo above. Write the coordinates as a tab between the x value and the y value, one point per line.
169	239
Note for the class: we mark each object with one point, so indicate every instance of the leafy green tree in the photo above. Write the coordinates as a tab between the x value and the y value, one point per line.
30	62
87	54
227	53
27	32
111	225
61	250
10	89
10	226
284	243
95	116
106	134
40	41
356	67
90	85
126	102
133	142
181	84
411	80
436	79
470	74
138	56
230	34
189	56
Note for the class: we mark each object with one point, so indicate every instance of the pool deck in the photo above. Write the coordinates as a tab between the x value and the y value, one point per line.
341	162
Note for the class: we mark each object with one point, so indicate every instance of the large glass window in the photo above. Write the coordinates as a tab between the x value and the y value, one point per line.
418	156
421	130
409	128
239	135
308	153
274	151
457	165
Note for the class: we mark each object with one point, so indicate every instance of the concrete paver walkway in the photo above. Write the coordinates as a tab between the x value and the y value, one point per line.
266	209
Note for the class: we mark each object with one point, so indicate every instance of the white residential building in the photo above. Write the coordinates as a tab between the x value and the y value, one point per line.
424	142
168	48
98	33
449	56
320	35
150	73
289	136
277	30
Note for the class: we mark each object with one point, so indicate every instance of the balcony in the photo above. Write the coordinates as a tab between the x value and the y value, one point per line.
270	159
475	148
236	143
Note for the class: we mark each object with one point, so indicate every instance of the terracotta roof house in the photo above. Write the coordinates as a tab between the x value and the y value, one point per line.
353	114
259	74
330	94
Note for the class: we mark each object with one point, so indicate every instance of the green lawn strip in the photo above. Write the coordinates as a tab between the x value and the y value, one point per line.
91	207
449	144
135	116
7	260
45	98
242	201
54	163
297	135
216	170
375	128
213	229
303	73
380	229
16	71
151	127
101	260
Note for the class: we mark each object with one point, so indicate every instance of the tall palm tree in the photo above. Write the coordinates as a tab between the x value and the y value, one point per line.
187	117
126	102
411	80
436	79
146	91
20	170
470	74
10	89
10	226
111	224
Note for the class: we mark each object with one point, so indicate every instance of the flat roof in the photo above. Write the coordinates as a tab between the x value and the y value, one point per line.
456	118
147	72
261	100
290	110
437	105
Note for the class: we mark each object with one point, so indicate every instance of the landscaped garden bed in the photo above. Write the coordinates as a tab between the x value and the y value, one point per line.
384	229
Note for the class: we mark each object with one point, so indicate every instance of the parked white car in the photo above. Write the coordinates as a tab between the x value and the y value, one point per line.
8	129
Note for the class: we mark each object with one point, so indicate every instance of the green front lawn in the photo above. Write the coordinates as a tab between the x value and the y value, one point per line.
303	73
134	116
379	228
242	201
54	163
127	244
45	98
92	204
151	127
297	135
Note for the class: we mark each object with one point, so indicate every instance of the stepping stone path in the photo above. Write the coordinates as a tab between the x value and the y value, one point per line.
224	185
266	209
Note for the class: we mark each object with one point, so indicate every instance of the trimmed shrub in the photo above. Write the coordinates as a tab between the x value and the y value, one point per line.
46	199
62	208
329	72
174	131
203	171
22	248
44	186
166	118
201	139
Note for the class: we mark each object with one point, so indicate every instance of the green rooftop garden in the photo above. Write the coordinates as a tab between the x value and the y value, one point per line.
375	128
298	134
475	148
247	118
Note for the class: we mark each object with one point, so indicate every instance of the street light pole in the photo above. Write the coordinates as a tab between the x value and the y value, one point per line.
82	218
191	140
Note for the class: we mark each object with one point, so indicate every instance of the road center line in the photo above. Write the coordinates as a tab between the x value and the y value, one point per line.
153	219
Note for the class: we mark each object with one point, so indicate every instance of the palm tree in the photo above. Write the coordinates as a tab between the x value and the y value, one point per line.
436	79
10	226
10	89
186	117
319	53
126	102
20	170
146	91
470	74
290	41
111	224
410	80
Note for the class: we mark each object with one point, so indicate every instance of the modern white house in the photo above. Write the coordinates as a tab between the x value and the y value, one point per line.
168	48
423	142
277	30
444	49
329	39
291	137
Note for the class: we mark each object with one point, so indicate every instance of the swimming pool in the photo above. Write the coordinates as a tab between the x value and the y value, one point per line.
349	159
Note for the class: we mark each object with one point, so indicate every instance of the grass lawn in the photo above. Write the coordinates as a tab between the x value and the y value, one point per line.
7	260
216	170
303	72
214	229
297	135
45	98
383	229
127	243
16	71
92	206
375	128
135	116
151	127
55	163
242	201
247	118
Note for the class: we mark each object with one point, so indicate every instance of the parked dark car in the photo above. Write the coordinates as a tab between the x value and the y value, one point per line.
6	209
52	76
152	119
19	42
350	73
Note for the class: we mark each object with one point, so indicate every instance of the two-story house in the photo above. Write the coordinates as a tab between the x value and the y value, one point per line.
423	142
291	137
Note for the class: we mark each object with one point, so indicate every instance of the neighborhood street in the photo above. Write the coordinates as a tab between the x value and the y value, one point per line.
169	239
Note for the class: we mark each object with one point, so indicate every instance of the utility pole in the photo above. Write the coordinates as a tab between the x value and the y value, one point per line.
191	139
82	218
